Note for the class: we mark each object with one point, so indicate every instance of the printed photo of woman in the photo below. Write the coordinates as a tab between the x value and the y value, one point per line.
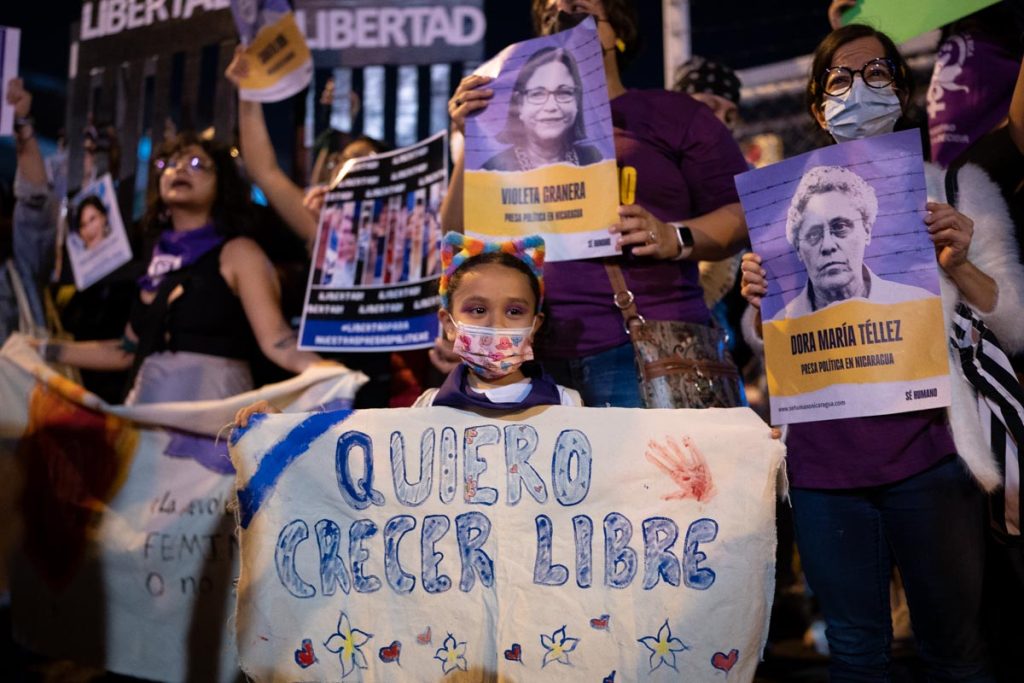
91	225
545	116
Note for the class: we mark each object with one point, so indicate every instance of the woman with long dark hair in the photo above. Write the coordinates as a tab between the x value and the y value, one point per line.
209	296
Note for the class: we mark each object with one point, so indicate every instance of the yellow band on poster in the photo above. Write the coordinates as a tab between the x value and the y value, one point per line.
278	50
562	199
856	342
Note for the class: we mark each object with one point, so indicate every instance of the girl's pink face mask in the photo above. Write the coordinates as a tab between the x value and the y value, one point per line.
493	352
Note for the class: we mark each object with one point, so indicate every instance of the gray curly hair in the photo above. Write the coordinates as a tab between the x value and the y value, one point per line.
822	179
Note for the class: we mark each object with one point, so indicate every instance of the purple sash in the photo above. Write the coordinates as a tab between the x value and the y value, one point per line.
176	250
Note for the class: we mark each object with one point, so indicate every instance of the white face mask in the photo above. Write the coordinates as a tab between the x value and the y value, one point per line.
862	111
493	352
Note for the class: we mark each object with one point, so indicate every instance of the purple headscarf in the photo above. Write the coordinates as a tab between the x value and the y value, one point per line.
969	93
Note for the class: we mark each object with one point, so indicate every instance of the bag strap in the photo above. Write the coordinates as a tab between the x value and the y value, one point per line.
952	186
622	297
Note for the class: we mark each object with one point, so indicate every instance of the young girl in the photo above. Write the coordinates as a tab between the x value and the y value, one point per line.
491	295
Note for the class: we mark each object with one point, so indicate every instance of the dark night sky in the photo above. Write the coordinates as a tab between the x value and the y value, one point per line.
45	37
742	33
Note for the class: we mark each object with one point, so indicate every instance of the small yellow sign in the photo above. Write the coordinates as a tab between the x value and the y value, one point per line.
280	63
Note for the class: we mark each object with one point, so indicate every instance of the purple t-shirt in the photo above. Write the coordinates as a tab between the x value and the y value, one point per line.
866	451
685	160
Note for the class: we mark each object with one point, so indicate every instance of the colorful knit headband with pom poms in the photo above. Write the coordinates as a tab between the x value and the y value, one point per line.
456	249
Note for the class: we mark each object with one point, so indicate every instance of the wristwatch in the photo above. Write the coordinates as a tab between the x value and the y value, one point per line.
685	237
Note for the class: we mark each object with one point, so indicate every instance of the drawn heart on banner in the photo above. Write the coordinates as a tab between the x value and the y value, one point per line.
423	638
515	654
601	623
305	657
391	652
610	678
725	662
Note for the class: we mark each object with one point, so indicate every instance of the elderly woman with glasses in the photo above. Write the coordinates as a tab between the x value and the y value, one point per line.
903	489
209	296
829	225
545	116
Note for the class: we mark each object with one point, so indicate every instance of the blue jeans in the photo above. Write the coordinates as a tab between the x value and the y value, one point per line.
931	525
605	379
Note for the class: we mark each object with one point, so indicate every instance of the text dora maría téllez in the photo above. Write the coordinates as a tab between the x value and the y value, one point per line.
846	336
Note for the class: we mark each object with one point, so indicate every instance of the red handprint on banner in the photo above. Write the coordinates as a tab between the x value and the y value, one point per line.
685	465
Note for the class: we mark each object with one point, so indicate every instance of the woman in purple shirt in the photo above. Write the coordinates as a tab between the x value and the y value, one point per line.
686	209
871	492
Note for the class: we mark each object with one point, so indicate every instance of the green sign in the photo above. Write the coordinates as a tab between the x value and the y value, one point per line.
902	20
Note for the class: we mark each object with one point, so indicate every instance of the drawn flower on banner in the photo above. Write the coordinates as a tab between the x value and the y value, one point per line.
558	646
452	655
663	647
346	643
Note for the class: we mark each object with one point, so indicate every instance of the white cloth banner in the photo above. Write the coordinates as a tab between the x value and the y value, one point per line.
127	555
555	544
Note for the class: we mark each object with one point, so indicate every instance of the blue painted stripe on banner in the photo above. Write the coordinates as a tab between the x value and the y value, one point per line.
278	457
238	432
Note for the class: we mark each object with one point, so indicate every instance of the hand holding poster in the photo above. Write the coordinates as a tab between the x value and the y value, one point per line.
852	320
376	260
414	544
541	158
10	40
277	61
96	240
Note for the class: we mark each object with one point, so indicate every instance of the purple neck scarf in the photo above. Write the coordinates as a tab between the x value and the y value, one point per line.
455	391
176	250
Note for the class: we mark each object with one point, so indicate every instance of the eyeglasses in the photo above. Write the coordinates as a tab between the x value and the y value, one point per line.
192	164
563	95
839	229
878	73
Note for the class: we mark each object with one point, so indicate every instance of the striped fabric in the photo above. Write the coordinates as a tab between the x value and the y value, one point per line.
1000	406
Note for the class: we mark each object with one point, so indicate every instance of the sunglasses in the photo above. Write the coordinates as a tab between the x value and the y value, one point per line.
192	164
